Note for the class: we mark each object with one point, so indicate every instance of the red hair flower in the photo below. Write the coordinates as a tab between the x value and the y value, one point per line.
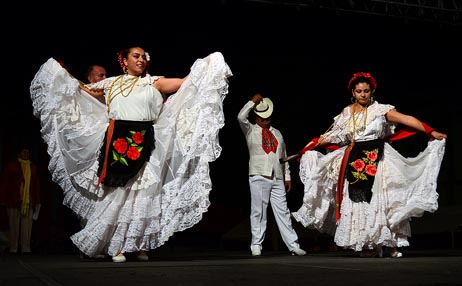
120	60
365	75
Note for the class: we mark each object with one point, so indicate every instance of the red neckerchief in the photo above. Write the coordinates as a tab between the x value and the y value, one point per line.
269	142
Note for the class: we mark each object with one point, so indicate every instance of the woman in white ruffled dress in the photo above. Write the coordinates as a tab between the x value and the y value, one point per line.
137	168
363	192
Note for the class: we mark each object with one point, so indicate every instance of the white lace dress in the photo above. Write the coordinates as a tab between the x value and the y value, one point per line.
171	192
403	187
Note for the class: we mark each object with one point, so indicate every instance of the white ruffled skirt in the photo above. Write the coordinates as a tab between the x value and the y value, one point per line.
403	188
169	194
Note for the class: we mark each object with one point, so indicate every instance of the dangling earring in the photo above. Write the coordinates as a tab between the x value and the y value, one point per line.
125	69
371	100
353	99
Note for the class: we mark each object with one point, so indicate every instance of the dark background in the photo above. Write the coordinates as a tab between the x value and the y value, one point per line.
301	57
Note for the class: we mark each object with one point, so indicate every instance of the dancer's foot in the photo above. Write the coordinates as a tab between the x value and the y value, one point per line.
119	258
142	256
394	253
370	253
298	251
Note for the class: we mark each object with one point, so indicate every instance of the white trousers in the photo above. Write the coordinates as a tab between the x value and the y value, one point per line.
262	192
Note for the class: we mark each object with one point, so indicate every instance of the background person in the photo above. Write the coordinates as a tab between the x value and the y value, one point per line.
20	194
96	73
269	180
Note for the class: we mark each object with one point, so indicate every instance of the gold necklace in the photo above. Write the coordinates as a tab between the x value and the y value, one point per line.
123	86
131	84
354	120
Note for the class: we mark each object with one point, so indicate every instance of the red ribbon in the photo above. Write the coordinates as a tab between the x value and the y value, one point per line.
408	131
110	131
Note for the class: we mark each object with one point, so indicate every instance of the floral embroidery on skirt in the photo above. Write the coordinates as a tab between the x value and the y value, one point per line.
361	169
131	146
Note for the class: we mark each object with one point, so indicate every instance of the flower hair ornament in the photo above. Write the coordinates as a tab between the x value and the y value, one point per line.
365	75
120	60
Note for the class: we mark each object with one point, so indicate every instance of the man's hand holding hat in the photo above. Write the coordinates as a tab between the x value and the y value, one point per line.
263	106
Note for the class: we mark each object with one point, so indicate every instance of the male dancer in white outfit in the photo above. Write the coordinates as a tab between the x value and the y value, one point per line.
268	179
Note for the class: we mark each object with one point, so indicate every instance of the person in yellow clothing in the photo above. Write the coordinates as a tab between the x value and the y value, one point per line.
20	194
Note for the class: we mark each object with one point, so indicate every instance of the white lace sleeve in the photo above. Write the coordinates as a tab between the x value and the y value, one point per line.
337	132
73	126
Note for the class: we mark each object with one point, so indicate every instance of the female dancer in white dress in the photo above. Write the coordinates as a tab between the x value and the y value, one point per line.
136	169
364	192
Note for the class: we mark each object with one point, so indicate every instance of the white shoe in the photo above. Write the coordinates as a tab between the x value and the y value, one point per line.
298	251
256	252
396	254
119	258
99	256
